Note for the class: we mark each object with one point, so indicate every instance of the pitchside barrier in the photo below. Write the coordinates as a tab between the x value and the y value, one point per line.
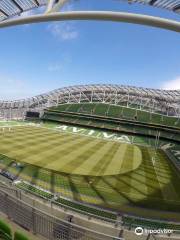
173	159
89	221
44	224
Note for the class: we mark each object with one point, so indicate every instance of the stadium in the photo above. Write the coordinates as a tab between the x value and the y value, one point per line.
95	161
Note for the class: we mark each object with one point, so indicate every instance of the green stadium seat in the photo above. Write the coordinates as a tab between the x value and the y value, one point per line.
112	111
101	109
115	111
129	113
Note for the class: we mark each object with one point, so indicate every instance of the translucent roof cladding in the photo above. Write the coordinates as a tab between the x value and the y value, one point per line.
172	5
161	95
9	8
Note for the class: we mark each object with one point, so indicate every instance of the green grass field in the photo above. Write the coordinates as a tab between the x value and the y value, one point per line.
69	153
107	173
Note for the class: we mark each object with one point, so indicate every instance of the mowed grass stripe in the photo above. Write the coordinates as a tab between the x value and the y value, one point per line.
137	158
153	187
92	158
55	162
115	195
108	160
125	180
128	158
24	150
135	192
104	159
74	158
80	164
27	151
54	154
132	189
45	148
17	142
117	160
138	183
41	142
74	189
137	187
167	188
36	131
26	130
90	185
145	183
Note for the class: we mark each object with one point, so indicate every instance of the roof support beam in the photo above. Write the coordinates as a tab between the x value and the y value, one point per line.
98	16
49	6
37	3
55	5
58	5
4	13
176	8
17	5
152	2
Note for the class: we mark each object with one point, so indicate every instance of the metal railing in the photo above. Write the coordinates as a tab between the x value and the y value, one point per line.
42	223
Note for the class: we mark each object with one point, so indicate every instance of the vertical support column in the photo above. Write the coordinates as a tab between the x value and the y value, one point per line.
104	96
69	97
33	221
57	100
92	96
128	100
141	103
6	205
55	5
79	98
48	103
49	6
168	110
10	114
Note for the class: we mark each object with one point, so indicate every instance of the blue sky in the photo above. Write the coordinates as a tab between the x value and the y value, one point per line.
41	57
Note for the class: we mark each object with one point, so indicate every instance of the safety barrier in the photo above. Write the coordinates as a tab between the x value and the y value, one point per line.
44	224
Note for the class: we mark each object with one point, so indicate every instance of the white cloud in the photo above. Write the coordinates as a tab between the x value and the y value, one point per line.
69	7
55	67
63	31
173	84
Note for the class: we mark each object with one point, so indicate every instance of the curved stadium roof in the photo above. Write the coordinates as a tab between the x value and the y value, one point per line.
109	93
172	96
10	8
172	5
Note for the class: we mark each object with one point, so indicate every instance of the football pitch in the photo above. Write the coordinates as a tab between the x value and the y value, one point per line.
107	173
69	153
